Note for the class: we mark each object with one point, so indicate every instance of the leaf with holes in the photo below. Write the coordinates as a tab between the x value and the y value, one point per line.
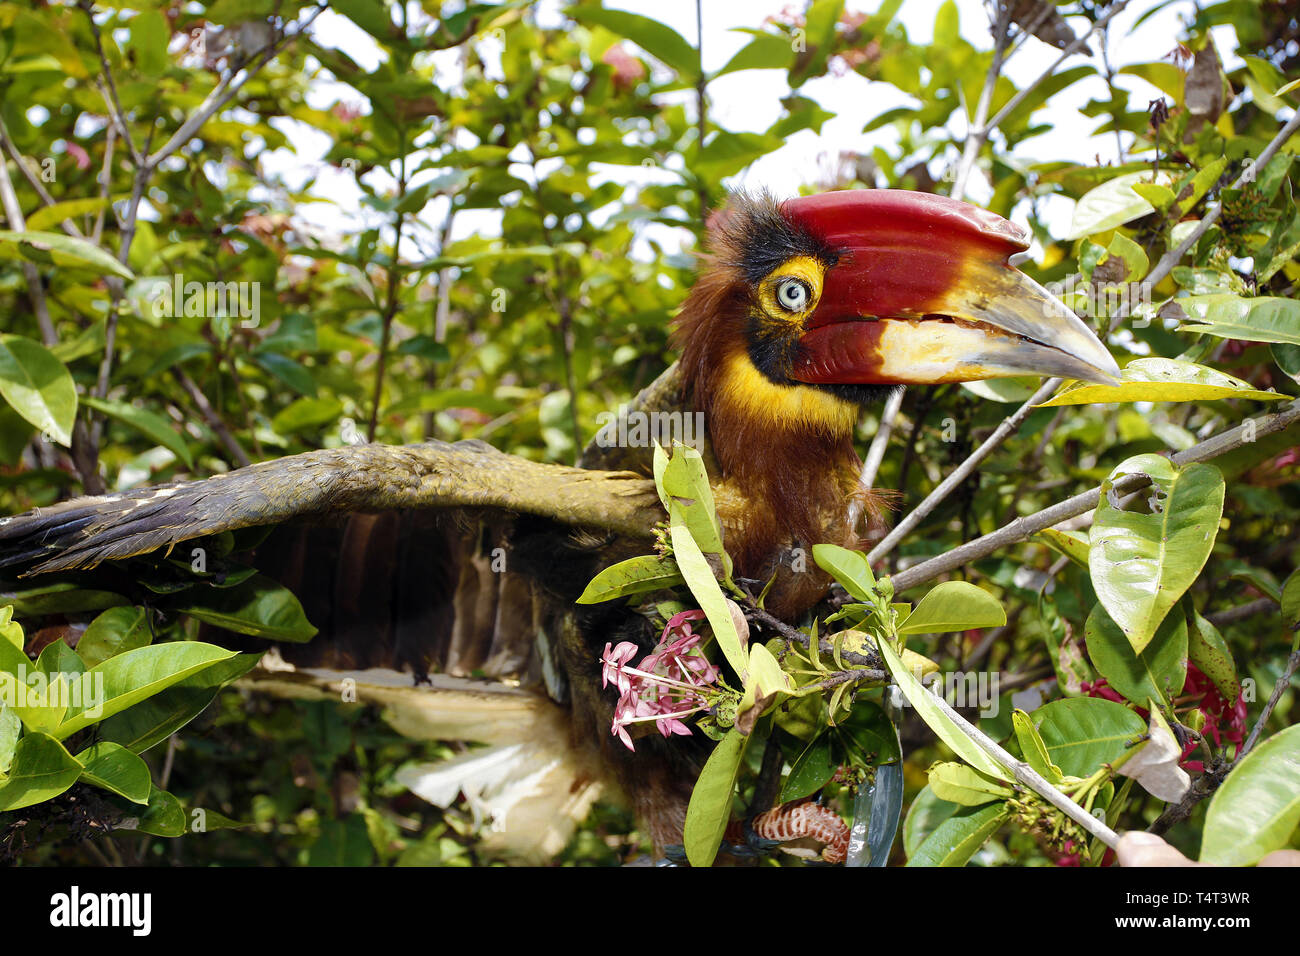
1142	563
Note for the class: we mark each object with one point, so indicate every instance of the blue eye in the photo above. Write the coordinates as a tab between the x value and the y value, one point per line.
793	295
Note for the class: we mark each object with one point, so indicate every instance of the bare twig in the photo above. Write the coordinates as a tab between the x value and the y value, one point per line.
1068	52
228	87
978	133
876	452
1283	682
233	448
1241	612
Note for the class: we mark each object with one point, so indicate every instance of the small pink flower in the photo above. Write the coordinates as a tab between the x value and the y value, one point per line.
614	660
80	155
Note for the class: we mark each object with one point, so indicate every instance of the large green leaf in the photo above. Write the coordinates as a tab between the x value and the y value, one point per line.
956	839
1207	649
1158	670
1142	563
56	249
1262	319
116	630
41	769
146	422
1082	733
657	39
1163	380
138	674
850	568
954	606
959	784
112	767
1111	204
154	720
709	811
258	607
38	386
648	572
704	586
1257	808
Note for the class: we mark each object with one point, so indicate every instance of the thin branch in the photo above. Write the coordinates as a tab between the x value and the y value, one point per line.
978	133
1224	442
233	448
1283	682
108	88
1047	74
876	453
35	289
227	88
1241	612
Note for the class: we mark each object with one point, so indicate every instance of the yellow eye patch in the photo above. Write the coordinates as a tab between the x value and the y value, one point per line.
791	290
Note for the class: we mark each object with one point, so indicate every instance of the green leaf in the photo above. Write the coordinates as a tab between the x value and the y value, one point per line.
1133	256
660	41
10	727
70	209
1207	649
686	483
959	784
41	769
648	572
704	586
1261	319
850	568
56	249
1071	544
923	816
1257	808
1082	733
811	770
306	413
1158	671
1034	748
112	767
944	728
1162	380
154	720
1111	204
152	425
138	674
1142	563
163	816
38	387
116	630
709	811
954	841
258	607
954	606
342	843
1291	601
149	38
764	52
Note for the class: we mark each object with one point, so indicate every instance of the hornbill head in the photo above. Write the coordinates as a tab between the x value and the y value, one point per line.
808	308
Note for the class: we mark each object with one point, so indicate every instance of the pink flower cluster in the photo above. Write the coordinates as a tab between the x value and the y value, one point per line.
667	685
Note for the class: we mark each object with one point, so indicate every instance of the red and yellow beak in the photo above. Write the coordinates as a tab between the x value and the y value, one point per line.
923	293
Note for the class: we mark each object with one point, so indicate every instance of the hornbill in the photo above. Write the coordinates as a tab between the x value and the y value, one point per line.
804	311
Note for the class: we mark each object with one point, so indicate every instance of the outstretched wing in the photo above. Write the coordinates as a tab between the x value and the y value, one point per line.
367	478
